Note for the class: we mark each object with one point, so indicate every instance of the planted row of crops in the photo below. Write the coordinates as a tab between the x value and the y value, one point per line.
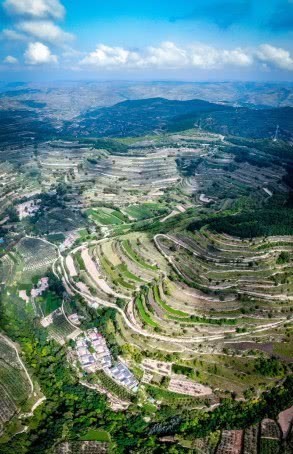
14	385
229	268
35	253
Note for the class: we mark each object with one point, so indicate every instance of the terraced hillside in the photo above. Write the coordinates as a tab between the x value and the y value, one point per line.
164	261
201	294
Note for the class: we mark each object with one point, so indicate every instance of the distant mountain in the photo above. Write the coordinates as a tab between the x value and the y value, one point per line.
21	127
66	100
139	117
244	122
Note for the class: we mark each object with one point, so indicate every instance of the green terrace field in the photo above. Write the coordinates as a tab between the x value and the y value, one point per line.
132	254
145	316
107	216
145	211
124	264
166	307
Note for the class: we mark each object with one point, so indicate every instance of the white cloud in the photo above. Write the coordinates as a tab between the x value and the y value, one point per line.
45	31
208	57
167	56
197	55
203	57
236	57
37	54
106	56
10	59
35	8
12	35
275	56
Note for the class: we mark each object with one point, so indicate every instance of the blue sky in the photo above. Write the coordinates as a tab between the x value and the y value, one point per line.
147	39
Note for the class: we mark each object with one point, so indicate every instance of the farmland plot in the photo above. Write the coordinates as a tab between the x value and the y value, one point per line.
7	266
231	441
14	385
106	216
36	254
145	211
250	440
270	437
61	330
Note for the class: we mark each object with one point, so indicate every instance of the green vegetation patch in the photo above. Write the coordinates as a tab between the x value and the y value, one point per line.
114	274
183	370
269	367
80	261
134	256
56	237
105	217
165	305
145	211
143	313
122	268
249	224
269	446
113	146
49	302
96	435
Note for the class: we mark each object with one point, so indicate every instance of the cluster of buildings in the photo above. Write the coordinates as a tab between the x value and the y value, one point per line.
92	351
42	285
69	241
123	376
28	208
74	319
93	354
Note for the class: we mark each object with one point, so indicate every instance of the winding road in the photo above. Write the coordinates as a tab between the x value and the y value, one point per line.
128	314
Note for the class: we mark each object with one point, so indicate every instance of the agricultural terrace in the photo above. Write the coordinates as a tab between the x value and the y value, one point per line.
221	177
107	216
201	295
34	256
117	268
60	328
206	304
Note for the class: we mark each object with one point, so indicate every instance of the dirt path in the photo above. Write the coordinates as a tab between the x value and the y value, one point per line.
95	275
36	405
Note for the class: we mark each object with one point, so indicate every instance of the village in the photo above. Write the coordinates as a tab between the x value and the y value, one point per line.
93	355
